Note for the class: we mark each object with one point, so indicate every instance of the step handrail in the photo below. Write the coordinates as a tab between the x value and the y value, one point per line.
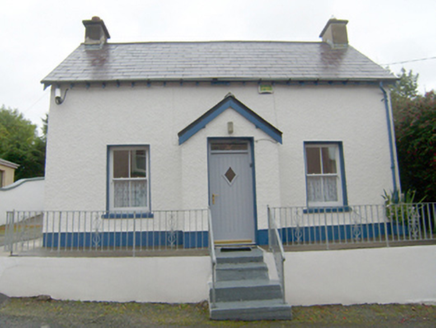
274	242
212	256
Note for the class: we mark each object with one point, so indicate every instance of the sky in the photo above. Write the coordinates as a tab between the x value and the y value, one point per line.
36	35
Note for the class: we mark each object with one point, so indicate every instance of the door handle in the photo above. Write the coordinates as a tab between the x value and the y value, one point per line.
213	198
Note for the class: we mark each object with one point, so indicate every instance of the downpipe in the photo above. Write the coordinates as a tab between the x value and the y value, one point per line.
391	135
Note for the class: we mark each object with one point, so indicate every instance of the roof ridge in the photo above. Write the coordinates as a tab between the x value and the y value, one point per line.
214	41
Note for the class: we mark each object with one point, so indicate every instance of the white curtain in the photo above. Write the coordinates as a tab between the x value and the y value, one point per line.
322	189
130	193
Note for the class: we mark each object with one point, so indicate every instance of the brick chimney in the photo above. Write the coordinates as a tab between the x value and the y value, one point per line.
96	33
335	33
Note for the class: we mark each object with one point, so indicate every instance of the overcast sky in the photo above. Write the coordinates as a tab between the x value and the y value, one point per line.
35	36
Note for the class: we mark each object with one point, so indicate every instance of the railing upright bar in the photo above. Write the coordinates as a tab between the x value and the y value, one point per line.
433	228
275	238
11	232
430	225
424	221
375	223
338	228
385	222
212	257
59	233
326	231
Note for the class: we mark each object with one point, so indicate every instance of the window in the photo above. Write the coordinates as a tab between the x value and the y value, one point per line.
324	178
1	178
129	179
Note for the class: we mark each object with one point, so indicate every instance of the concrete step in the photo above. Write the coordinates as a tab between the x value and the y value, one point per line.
235	256
273	309
246	290
241	271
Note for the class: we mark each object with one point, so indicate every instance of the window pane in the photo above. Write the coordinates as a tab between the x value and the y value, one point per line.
138	193
130	193
121	164
138	164
313	160
329	159
314	189
229	146
121	194
330	189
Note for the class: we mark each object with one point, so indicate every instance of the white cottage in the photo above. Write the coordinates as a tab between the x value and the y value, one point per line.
136	128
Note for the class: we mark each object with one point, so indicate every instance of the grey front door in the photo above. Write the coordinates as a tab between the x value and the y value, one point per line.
231	194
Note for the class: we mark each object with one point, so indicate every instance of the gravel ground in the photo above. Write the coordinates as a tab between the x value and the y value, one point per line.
42	312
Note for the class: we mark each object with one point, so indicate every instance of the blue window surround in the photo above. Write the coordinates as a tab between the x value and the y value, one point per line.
330	209
229	101
128	214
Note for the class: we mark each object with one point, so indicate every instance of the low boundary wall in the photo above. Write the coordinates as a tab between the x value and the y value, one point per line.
376	275
23	195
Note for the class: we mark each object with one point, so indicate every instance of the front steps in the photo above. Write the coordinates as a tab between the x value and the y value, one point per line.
243	290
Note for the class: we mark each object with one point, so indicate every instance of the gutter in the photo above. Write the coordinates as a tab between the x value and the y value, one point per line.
391	133
220	80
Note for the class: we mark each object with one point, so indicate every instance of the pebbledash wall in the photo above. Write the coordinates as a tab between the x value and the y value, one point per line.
92	118
384	275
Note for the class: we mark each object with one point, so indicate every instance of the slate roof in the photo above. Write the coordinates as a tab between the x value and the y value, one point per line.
221	60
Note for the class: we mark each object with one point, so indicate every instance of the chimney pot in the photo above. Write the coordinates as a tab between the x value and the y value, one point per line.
96	33
335	33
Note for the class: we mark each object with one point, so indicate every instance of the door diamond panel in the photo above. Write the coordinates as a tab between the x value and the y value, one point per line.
230	175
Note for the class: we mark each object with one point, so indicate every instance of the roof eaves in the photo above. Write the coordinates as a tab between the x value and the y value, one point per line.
388	79
8	164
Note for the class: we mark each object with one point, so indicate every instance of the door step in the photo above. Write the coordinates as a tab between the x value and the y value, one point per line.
243	290
246	290
242	271
233	242
252	310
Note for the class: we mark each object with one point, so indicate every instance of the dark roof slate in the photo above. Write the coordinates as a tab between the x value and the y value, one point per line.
221	60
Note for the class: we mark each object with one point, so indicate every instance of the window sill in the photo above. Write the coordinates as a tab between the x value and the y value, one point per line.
128	215
335	209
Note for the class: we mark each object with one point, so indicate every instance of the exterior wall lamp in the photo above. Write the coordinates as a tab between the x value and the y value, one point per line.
58	95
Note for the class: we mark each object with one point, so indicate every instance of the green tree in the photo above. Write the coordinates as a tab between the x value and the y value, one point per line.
19	143
415	129
403	92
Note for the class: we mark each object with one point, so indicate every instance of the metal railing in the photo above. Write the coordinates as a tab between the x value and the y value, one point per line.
276	247
212	258
30	233
365	225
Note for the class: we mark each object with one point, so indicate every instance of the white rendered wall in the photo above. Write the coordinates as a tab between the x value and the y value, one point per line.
23	195
146	279
378	275
372	275
91	119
